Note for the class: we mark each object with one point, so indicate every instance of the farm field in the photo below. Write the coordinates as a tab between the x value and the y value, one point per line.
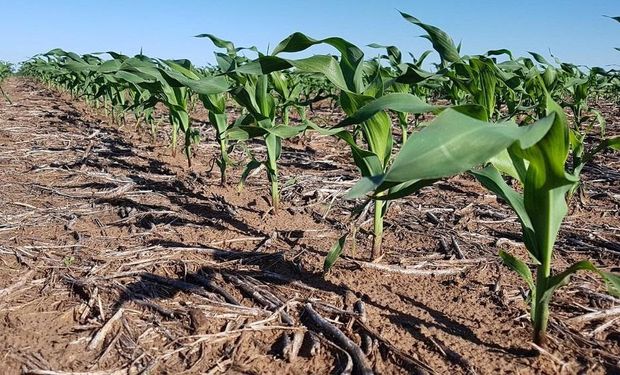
99	218
309	214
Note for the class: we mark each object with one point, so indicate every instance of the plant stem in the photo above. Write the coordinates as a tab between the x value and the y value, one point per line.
188	150
275	190
5	96
402	119
540	302
273	146
223	158
378	229
174	139
540	307
285	116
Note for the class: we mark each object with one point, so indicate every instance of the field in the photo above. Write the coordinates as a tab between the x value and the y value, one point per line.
120	254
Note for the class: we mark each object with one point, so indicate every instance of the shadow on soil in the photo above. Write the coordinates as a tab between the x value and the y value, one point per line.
274	270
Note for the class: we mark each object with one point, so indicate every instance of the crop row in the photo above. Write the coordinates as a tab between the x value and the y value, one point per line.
505	120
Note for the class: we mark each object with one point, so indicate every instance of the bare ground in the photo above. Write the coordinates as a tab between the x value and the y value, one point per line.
115	258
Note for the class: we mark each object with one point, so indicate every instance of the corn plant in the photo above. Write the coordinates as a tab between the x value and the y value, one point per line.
216	104
574	88
6	69
214	100
469	79
539	165
347	74
253	90
458	139
170	82
442	149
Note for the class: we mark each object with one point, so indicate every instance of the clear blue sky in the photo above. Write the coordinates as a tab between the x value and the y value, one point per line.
574	30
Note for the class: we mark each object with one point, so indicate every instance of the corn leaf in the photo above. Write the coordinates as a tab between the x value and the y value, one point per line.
519	267
442	43
334	253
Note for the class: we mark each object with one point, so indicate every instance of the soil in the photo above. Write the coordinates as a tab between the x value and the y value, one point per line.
117	258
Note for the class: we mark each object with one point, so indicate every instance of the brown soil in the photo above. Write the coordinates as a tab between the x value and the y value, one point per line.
106	243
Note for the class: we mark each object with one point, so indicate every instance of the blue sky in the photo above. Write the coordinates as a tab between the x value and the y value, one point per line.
573	30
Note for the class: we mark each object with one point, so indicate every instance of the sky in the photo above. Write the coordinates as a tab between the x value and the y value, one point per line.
573	30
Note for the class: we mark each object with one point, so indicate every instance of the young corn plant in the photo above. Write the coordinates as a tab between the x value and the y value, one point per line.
212	90
574	88
458	139
539	165
468	79
253	90
170	82
6	69
347	74
451	144
216	105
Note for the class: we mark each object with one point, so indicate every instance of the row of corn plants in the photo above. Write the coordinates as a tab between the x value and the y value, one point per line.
503	118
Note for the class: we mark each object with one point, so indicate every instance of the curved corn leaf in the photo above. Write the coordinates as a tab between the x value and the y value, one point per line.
450	144
612	280
453	143
350	61
442	43
334	253
519	267
399	102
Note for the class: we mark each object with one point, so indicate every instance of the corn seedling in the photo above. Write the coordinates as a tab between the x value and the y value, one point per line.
6	69
539	165
253	91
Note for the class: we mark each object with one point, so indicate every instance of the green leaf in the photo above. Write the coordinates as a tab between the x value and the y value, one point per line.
201	86
492	180
504	163
231	50
539	58
546	183
399	102
613	143
351	57
363	186
454	143
334	253
499	52
325	65
442	43
377	132
519	267
612	280
221	43
617	18
414	75
284	131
